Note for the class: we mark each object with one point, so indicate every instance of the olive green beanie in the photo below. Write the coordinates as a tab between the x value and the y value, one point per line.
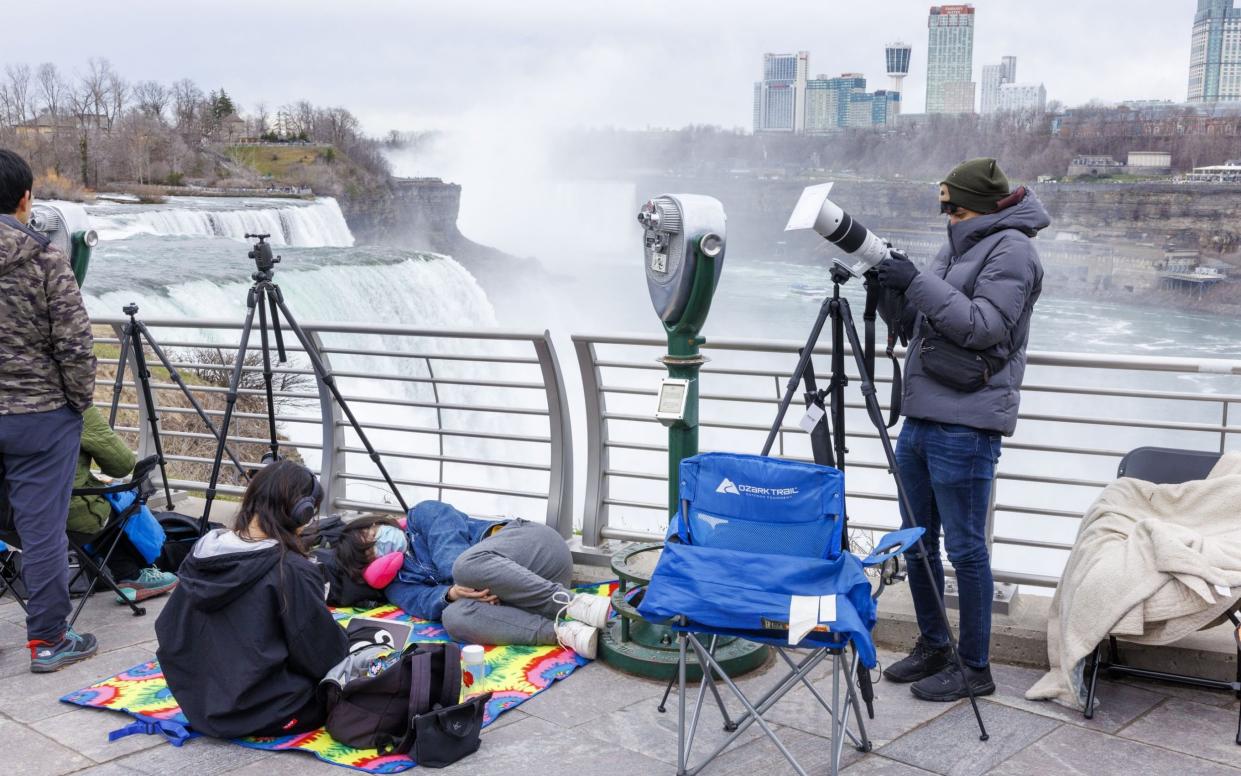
977	185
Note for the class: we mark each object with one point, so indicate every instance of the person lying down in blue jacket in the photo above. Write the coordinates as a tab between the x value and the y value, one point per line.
489	582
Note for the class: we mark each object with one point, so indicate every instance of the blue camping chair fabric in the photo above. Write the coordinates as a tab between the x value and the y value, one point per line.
755	552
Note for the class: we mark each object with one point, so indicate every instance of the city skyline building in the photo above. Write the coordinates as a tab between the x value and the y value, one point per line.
1023	98
993	78
775	97
950	59
1215	52
958	97
897	57
787	100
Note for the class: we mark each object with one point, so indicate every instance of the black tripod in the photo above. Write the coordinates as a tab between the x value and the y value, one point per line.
134	333
265	296
836	308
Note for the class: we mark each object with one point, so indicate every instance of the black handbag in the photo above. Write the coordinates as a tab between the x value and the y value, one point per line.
443	736
956	367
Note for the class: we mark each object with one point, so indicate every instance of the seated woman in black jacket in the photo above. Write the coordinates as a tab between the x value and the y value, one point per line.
246	636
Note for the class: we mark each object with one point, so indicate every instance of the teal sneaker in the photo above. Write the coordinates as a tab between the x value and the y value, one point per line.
73	647
150	583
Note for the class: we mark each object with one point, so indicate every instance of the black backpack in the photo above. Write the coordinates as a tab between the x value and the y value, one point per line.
180	535
409	707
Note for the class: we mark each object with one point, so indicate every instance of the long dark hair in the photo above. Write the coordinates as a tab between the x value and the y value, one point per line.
354	548
269	501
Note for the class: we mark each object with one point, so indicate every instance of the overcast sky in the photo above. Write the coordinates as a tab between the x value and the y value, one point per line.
626	63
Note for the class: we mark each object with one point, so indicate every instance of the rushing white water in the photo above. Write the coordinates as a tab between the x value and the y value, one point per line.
289	222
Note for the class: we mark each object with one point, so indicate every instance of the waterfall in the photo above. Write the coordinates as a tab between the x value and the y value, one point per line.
289	222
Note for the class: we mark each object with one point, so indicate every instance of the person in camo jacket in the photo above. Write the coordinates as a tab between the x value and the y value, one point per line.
47	380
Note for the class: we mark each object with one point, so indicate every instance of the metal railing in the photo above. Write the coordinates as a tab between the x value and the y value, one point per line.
480	418
478	414
1080	415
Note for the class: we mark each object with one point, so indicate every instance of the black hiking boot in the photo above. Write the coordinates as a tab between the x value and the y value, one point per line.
948	686
922	662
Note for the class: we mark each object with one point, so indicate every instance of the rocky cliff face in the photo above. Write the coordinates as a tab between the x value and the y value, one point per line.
421	214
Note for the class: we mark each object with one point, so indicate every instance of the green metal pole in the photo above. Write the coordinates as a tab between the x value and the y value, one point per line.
684	361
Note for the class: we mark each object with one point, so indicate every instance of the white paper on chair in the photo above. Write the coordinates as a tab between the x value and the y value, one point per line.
827	608
803	616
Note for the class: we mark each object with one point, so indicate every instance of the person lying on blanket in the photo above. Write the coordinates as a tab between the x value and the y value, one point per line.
489	582
246	636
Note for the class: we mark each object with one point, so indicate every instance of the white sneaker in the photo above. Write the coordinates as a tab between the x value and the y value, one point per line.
579	637
585	607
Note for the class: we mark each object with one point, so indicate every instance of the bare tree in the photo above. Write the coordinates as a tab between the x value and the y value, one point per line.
187	100
20	107
51	88
152	99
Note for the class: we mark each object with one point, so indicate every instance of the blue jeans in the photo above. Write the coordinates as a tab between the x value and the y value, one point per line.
947	472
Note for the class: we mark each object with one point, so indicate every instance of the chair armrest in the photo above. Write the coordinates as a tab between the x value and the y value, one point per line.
893	544
141	472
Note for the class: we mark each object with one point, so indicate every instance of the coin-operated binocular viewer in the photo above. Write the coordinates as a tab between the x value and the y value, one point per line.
683	248
68	227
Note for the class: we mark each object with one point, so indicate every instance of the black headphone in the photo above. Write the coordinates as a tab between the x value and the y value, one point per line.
304	509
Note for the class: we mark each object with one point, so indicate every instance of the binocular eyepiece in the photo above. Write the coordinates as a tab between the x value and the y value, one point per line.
262	254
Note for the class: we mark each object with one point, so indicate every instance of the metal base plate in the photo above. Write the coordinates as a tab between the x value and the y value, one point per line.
735	655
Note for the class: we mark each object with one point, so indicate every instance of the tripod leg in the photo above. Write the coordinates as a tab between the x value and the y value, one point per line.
876	417
230	403
120	375
185	389
274	443
144	379
329	380
802	363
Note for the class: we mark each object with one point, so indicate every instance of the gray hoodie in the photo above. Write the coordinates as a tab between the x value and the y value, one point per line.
979	292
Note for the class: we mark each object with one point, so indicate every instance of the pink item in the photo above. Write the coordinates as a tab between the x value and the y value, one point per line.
381	571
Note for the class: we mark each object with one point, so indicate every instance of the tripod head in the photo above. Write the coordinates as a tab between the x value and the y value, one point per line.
262	255
130	309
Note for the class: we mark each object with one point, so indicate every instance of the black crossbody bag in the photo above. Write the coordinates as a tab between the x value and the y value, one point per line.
956	367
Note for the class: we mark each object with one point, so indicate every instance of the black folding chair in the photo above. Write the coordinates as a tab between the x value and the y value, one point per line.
91	551
1163	466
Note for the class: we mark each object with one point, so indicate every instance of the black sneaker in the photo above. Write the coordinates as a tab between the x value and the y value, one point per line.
46	657
924	661
947	684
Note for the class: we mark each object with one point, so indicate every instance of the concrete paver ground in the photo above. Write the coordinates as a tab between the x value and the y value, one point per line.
600	722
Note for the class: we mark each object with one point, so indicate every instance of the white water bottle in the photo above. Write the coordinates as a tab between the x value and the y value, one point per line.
473	668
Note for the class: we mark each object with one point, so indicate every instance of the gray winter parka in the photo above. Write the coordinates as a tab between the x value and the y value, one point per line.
979	293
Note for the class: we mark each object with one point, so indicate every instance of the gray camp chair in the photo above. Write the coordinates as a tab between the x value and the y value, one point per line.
1163	466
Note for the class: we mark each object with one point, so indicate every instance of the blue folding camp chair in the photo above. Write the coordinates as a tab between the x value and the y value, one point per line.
755	552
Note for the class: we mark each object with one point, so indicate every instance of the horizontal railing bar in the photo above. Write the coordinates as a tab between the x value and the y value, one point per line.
479	358
1068	390
541	467
355	477
195	486
232	439
449	432
182	366
337	327
731	372
1038	511
1034	358
220	413
1042	545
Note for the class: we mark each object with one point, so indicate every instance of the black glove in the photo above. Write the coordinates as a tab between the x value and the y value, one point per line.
896	272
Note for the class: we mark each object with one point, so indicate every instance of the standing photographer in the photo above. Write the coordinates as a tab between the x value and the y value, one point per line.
963	374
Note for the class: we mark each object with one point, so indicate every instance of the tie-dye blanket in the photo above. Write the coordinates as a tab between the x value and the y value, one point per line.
514	675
